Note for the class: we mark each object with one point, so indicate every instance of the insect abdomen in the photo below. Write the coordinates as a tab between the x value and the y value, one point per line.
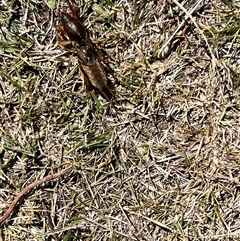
98	78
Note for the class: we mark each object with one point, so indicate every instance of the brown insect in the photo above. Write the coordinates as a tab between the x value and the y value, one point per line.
95	76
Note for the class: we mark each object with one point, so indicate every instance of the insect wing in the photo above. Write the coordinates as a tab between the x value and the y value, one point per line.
86	52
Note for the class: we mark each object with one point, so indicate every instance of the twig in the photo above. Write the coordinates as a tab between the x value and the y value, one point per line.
30	187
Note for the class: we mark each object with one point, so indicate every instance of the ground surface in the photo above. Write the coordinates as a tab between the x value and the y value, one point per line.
164	164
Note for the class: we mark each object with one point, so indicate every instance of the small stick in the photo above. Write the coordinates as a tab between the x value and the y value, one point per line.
30	187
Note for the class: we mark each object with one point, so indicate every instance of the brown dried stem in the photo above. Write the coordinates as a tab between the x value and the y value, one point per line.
50	177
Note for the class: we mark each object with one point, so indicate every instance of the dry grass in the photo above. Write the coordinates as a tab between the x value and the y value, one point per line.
162	166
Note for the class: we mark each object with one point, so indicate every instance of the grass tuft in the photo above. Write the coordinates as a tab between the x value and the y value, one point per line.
163	164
